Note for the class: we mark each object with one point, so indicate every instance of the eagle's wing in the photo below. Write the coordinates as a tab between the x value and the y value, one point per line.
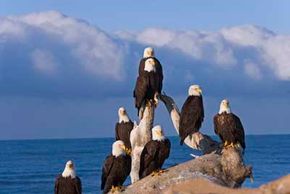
108	164
56	184
78	185
127	166
166	152
142	65
117	131
123	131
190	118
147	155
239	132
202	109
160	75
140	90
216	124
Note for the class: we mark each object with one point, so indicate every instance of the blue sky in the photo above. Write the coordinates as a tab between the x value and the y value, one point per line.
112	15
65	67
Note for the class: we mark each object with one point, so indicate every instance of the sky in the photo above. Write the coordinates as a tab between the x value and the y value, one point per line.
67	66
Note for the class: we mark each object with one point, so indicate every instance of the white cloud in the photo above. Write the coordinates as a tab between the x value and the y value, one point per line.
253	70
62	49
226	48
203	46
276	52
43	61
90	48
247	35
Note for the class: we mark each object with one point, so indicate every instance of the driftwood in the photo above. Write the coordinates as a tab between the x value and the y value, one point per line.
222	166
139	136
197	140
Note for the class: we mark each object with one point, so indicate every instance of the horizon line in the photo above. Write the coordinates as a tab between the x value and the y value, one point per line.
110	137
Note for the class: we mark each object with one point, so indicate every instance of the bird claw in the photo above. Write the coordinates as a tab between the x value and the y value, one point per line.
229	145
117	189
236	146
128	151
158	172
156	99
226	144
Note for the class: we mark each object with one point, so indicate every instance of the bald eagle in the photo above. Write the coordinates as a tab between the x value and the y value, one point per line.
149	81
192	113
116	167
228	126
154	153
68	182
124	127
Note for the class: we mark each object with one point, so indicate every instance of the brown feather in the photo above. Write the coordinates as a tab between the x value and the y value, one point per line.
191	117
229	128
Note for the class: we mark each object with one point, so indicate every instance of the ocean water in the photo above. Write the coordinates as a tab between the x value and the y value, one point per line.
30	166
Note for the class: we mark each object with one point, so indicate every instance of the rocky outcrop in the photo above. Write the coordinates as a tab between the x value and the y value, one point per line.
226	169
200	185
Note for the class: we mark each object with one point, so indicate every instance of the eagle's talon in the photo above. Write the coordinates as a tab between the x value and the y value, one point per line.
113	189
154	173
156	99
226	144
157	172
128	151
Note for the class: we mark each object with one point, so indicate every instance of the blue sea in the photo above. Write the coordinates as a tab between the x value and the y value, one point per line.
30	166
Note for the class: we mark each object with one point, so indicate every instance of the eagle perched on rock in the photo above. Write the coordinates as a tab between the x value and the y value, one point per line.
229	127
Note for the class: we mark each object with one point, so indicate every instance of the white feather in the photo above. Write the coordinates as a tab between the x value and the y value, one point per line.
117	148
157	133
194	90
123	116
225	107
148	52
68	170
150	65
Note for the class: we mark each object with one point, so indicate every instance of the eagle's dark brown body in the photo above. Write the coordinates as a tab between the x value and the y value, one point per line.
191	117
123	131
229	128
67	185
115	171
148	83
153	156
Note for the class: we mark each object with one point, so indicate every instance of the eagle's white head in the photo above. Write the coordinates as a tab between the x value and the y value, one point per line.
148	52
194	90
157	133
150	65
69	170
225	107
118	148
123	116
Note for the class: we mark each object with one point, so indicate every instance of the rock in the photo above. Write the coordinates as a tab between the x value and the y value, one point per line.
212	167
200	185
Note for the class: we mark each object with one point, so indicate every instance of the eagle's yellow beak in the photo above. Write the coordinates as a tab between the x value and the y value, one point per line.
199	90
159	133
123	147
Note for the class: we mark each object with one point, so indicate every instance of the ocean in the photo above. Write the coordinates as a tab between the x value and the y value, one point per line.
30	166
